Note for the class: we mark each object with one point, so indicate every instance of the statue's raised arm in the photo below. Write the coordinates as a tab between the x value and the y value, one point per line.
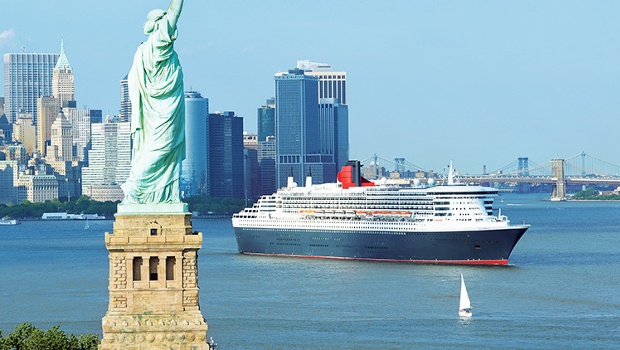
174	10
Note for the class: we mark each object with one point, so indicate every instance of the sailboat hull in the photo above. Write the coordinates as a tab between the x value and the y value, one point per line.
464	313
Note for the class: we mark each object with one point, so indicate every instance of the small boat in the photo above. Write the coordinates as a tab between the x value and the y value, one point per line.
464	304
9	221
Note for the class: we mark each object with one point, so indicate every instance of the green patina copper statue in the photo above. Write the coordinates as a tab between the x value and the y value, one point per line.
158	113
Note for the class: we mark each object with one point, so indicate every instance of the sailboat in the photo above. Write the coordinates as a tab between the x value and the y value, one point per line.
86	226
464	304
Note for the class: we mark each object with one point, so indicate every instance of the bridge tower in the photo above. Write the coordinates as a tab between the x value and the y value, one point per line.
523	170
557	173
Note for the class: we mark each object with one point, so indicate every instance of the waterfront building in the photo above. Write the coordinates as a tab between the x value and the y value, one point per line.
225	155
63	81
298	150
27	76
194	180
36	187
8	191
125	112
47	109
109	161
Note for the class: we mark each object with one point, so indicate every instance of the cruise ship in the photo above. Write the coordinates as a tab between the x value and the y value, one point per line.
449	223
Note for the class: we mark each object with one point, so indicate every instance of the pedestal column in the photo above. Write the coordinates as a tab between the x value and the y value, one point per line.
153	282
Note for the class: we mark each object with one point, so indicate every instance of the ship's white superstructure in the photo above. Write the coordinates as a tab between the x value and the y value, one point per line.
360	218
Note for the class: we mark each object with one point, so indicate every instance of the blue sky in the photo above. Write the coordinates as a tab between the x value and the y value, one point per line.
476	82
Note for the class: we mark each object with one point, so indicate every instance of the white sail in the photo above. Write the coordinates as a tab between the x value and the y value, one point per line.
464	304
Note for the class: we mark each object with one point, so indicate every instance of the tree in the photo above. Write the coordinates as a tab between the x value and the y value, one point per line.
27	337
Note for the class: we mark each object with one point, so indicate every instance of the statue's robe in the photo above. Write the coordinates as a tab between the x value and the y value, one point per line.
157	120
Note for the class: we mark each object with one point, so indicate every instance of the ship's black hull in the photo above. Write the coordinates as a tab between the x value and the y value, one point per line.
481	247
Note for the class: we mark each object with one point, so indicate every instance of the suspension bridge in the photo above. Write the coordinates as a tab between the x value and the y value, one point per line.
580	169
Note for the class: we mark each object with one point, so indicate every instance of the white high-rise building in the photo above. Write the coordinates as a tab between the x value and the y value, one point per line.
63	81
81	120
331	84
61	148
125	112
109	161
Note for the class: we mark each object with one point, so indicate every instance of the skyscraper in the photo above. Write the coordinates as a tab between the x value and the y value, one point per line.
27	76
61	147
194	167
81	120
267	165
333	91
125	112
266	155
24	131
109	161
225	155
266	118
63	84
335	123
47	108
298	128
331	84
251	173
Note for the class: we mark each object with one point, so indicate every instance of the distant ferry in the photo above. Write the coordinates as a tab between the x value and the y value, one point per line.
65	216
9	221
358	219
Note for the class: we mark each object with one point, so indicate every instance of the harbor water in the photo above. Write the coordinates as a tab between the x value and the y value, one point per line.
561	290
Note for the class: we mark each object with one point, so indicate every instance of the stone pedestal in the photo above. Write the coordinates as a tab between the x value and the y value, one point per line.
153	281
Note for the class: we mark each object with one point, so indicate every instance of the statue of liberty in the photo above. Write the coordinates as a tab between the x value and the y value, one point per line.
158	113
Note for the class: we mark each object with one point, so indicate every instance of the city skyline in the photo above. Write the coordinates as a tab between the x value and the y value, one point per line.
479	83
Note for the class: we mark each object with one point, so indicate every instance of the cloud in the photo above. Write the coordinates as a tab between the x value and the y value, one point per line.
6	35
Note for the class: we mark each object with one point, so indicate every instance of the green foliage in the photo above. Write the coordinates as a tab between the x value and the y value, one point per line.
28	337
83	204
592	194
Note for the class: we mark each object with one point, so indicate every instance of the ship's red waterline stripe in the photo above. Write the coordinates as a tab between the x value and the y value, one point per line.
439	262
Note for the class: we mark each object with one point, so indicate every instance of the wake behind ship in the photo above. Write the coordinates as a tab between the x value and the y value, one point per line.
358	219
